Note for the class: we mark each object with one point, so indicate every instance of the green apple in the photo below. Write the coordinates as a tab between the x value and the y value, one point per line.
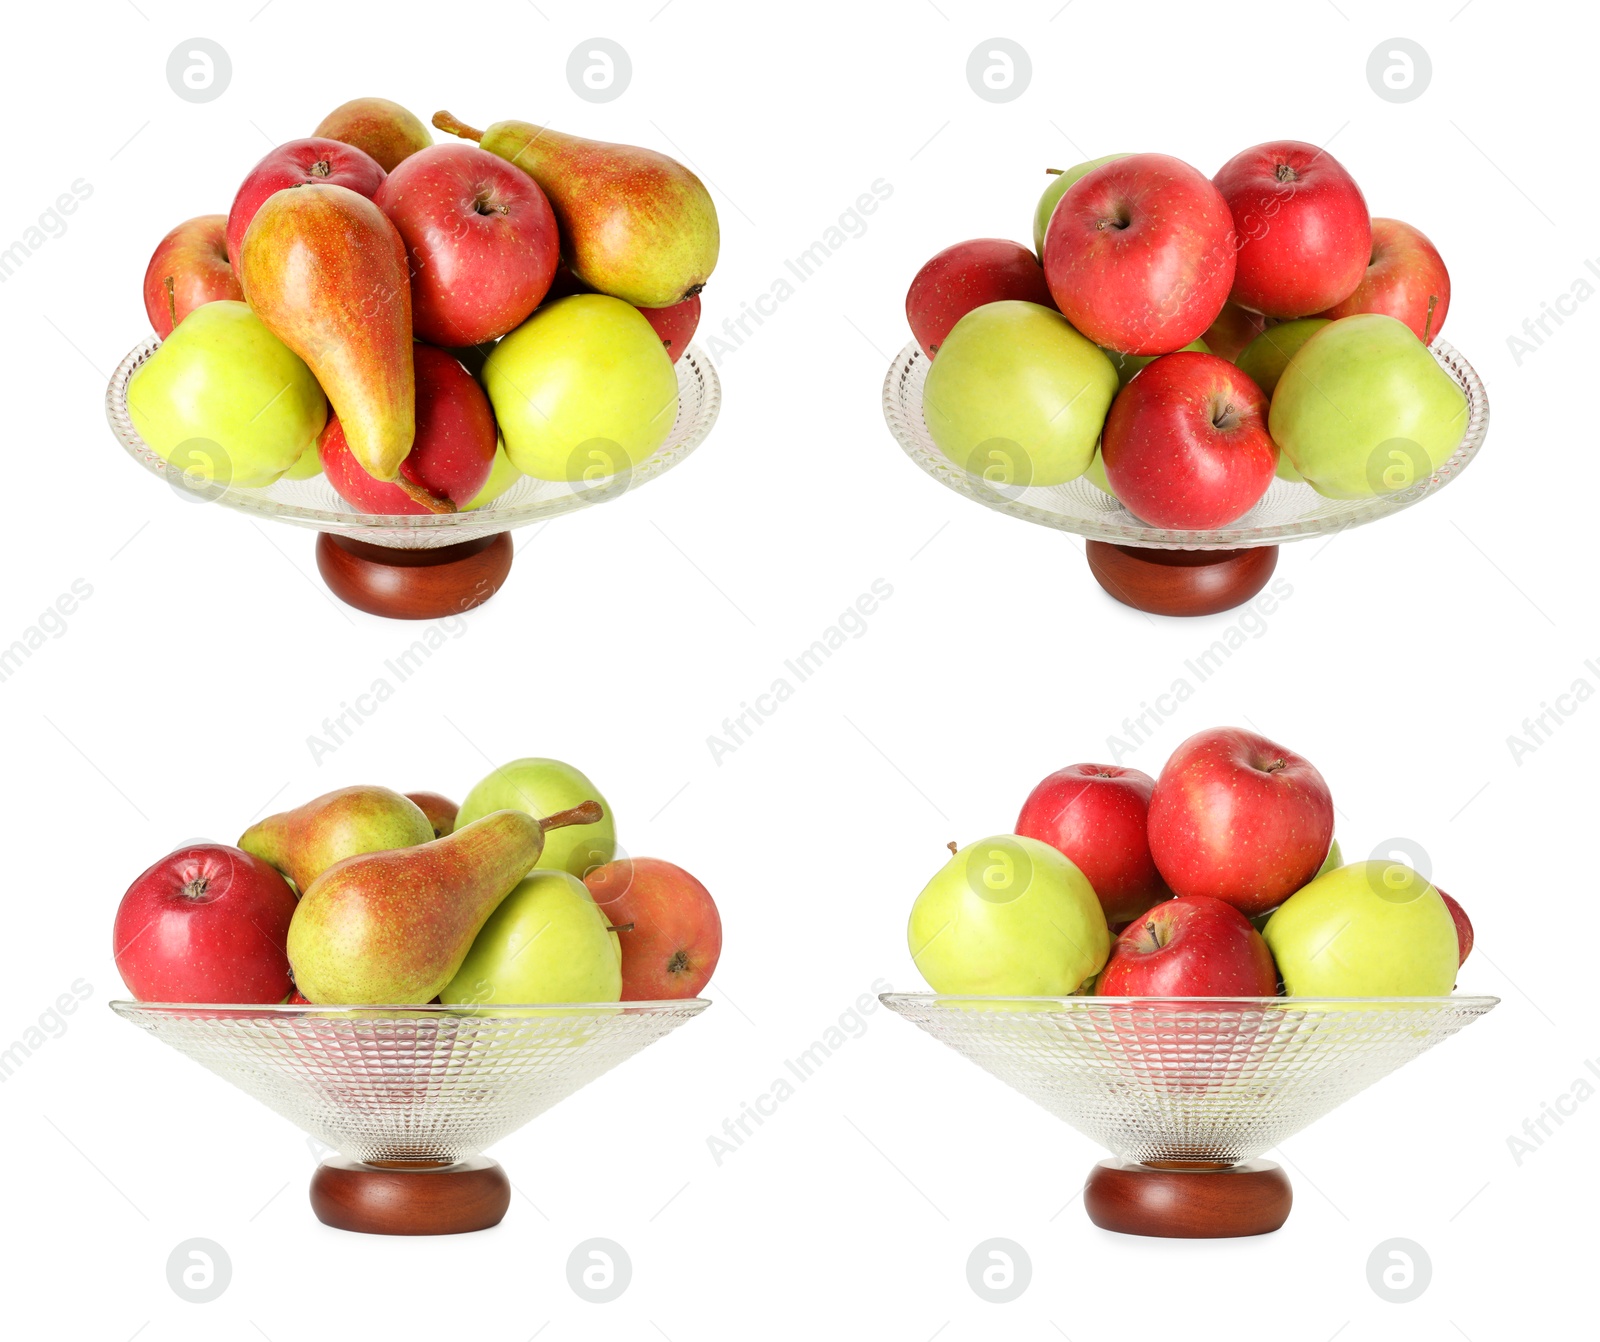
1059	182
1096	474
1008	917
1017	396
1129	364
547	941
1371	929
310	464
502	475
224	399
542	787
583	390
1334	859
1265	358
1362	409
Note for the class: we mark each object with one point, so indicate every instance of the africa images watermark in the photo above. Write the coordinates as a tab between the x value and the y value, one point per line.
51	624
851	224
1540	728
1139	730
851	1024
51	224
1553	1113
1536	330
851	624
353	713
52	1024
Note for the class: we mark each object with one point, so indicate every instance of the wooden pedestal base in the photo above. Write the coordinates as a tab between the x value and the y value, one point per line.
1188	1201
406	1198
414	584
1181	582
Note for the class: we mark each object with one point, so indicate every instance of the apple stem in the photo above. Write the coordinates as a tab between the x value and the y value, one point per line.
620	927
172	301
585	813
444	121
1427	326
1055	172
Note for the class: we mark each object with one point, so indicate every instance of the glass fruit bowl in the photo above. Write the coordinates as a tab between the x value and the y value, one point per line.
403	1092
313	503
1289	510
1180	1086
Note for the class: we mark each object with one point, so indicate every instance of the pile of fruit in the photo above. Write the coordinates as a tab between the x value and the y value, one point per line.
472	313
365	896
1220	878
1180	340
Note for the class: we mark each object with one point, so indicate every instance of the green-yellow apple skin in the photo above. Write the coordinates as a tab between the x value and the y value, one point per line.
547	941
1017	396
502	475
582	390
1129	364
1059	183
1008	917
1362	409
221	377
310	464
542	787
1096	475
1371	929
1264	359
1334	859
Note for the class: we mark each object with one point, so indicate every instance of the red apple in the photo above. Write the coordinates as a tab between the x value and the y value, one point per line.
480	237
1239	818
188	268
1095	814
450	457
675	325
294	164
675	937
1304	234
1194	946
1234	328
1186	443
1139	254
1405	279
208	923
966	276
1463	926
439	809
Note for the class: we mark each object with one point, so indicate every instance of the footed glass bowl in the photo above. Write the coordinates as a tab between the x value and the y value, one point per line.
410	1096
312	503
1290	510
1180	1087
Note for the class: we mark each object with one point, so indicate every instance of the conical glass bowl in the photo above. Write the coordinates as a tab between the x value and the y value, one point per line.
1192	1080
424	1084
1289	510
313	503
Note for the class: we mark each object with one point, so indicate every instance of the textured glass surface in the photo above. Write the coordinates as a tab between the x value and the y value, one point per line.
1289	510
1189	1078
410	1083
313	503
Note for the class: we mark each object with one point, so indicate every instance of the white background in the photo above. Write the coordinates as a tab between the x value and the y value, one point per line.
178	701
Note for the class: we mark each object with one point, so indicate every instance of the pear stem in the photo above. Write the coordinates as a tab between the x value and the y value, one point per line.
1055	172
952	846
444	121
584	813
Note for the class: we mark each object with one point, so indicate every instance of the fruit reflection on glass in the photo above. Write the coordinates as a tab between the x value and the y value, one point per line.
1220	877
402	899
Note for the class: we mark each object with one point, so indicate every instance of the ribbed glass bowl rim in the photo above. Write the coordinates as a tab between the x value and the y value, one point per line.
1091	1004
125	1007
1126	530
484	520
